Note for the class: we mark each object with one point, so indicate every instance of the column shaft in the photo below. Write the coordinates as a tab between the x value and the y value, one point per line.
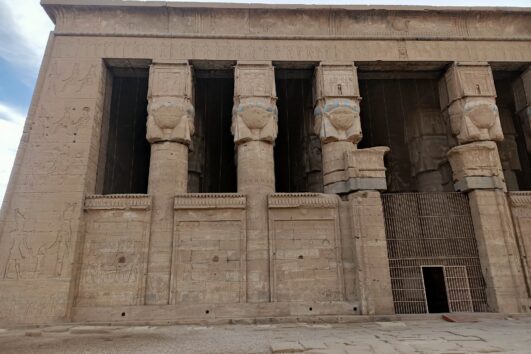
167	177
169	130
468	99
357	173
256	179
254	125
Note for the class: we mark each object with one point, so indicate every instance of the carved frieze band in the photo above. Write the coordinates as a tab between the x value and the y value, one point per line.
326	22
210	201
293	50
307	200
520	199
118	201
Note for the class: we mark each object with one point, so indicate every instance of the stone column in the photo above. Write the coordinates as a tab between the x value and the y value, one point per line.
467	96
522	94
170	126
254	126
427	138
358	174
508	148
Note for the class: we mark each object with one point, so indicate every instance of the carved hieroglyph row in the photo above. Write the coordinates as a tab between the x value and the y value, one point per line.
300	50
306	200
118	201
209	200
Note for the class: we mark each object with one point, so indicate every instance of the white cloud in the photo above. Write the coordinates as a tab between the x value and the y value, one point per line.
25	29
11	125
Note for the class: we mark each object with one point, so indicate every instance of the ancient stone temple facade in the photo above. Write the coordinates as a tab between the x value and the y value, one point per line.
201	162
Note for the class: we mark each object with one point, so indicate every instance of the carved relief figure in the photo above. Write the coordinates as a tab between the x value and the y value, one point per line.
122	265
19	252
43	257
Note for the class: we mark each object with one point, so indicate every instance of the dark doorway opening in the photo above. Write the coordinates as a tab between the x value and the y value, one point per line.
212	168
435	286
298	165
125	152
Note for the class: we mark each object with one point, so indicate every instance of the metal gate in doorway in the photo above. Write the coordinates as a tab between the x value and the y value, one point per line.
432	229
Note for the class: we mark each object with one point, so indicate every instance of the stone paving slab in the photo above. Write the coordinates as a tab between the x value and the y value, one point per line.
409	337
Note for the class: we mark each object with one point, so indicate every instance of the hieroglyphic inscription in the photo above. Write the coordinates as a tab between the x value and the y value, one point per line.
305	50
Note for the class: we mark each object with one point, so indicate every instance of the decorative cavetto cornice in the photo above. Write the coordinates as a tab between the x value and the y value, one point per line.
244	21
210	201
520	199
118	202
302	200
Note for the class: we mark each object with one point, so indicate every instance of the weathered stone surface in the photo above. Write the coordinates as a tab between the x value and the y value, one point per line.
522	95
255	129
114	262
370	247
467	97
498	251
255	113
476	166
169	129
68	253
520	205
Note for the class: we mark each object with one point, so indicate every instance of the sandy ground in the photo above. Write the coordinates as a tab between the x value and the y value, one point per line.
427	336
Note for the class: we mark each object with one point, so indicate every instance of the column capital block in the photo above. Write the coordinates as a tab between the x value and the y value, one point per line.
170	108
468	99
336	80
476	166
465	79
348	169
254	79
170	79
255	114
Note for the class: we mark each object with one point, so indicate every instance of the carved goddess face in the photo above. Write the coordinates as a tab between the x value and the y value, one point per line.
483	114
168	116
342	118
255	116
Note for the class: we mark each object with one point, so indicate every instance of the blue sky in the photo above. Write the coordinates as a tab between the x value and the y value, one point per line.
23	35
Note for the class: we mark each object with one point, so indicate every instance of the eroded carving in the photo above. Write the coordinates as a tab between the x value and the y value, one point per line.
30	257
254	115
170	119
522	95
170	109
255	119
476	166
337	111
467	97
337	120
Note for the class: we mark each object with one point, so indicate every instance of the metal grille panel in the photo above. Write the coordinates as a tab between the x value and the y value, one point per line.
432	229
